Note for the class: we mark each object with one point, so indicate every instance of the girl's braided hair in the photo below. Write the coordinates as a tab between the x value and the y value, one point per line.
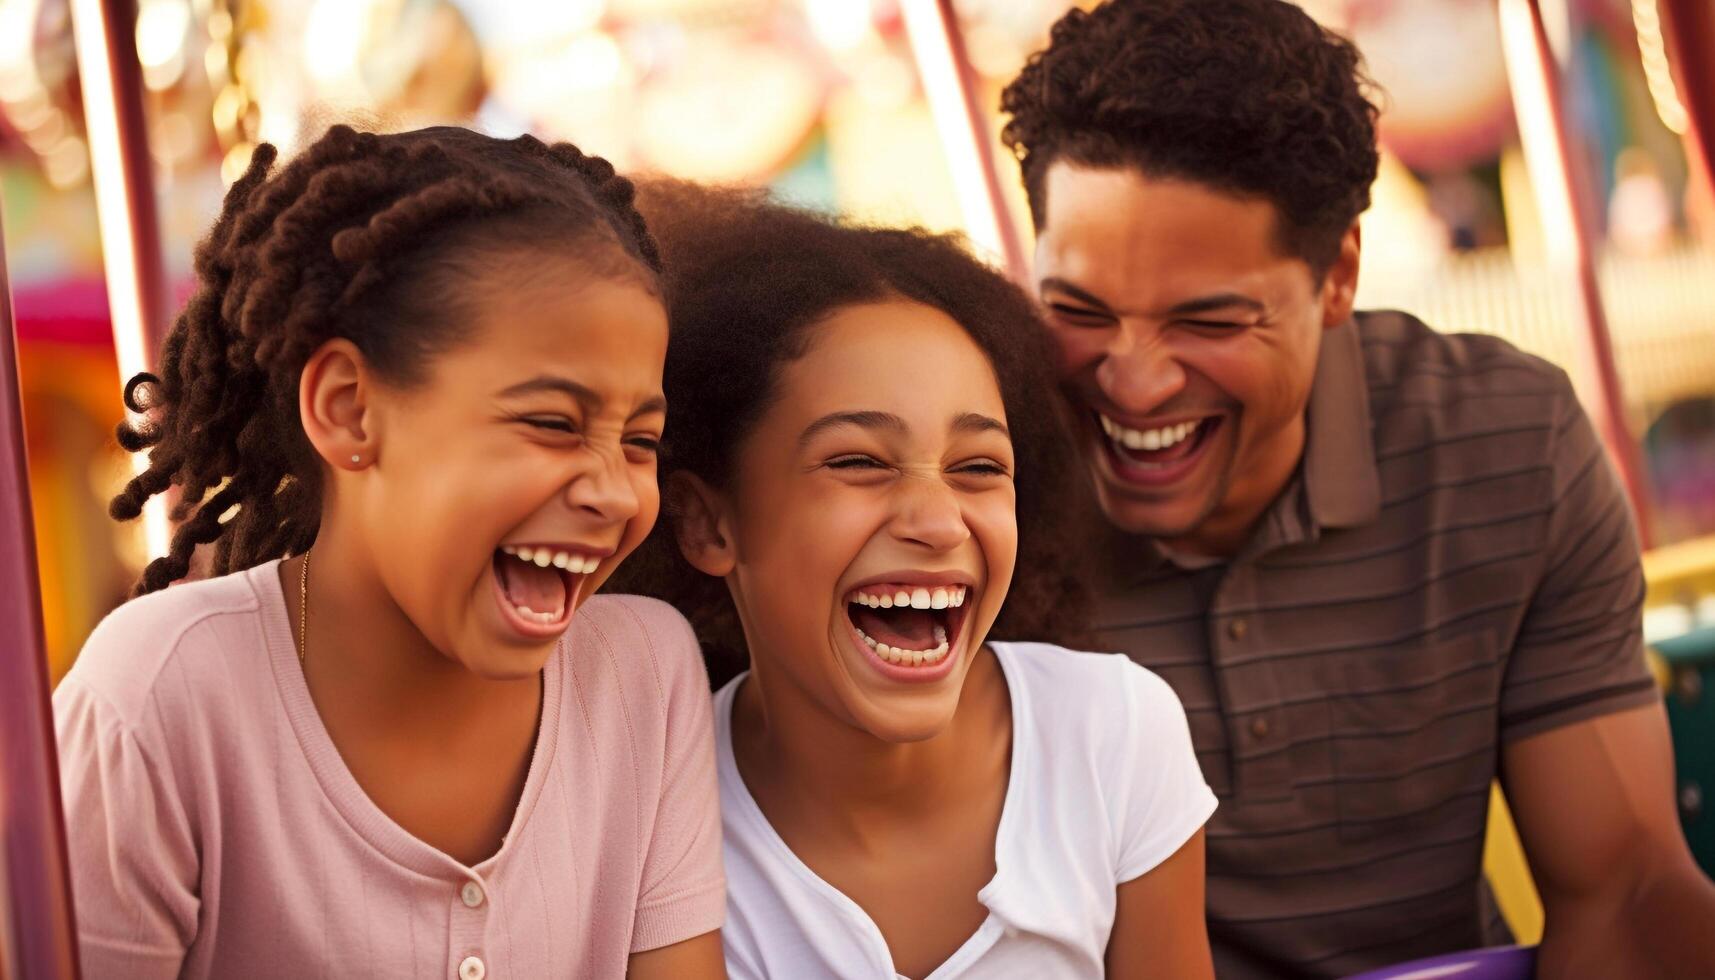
373	238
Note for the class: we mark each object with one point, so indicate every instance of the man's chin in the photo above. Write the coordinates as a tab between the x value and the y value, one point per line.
1171	519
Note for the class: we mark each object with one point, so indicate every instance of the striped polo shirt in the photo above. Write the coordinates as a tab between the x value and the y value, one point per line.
1452	567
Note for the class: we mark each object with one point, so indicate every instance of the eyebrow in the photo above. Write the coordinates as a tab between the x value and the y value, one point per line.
1219	301
1190	307
974	422
968	422
863	420
1076	292
585	396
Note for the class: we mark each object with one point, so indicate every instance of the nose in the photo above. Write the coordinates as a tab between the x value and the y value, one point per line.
604	490
1140	372
928	514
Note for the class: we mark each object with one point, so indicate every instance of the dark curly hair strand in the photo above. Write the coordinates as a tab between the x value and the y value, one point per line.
1247	96
362	236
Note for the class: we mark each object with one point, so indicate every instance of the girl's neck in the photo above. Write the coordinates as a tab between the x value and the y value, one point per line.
363	653
402	715
801	763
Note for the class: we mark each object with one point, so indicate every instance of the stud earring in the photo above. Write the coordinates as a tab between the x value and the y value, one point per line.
356	459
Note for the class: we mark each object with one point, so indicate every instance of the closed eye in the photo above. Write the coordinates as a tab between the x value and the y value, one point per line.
1078	314
648	444
553	423
982	467
856	461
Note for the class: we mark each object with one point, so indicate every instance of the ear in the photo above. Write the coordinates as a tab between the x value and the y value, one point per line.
1340	285
701	524
334	392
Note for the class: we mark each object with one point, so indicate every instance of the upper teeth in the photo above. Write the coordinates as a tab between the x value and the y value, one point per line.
1161	438
543	557
916	598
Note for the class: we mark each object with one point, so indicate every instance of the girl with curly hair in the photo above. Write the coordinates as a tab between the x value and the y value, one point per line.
868	488
427	368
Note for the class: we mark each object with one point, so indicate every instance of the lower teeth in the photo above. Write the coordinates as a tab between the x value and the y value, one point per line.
525	612
909	658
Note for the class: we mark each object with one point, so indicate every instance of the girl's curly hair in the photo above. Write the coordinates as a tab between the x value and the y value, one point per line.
369	237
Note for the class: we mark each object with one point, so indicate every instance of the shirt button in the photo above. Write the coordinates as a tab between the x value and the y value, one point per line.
472	969
472	894
1259	728
1237	629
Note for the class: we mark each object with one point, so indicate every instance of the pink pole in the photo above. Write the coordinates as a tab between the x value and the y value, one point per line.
37	936
138	299
1546	132
124	177
1690	29
950	82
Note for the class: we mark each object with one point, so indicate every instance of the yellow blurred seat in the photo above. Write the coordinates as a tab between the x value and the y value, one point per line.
1509	874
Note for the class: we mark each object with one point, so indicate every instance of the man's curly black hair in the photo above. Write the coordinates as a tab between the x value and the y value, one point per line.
1247	96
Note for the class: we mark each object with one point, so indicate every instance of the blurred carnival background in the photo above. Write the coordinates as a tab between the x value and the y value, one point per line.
848	104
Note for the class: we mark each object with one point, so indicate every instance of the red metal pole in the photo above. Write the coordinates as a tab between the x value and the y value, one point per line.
951	84
1545	130
37	937
1689	26
124	177
138	299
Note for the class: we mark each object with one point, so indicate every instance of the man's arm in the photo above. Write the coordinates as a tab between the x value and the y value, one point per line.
1585	758
1595	811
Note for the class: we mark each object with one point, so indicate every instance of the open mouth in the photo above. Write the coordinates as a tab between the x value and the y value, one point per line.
913	631
538	586
1160	454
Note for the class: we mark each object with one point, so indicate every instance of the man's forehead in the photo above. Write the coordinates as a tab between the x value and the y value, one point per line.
1142	241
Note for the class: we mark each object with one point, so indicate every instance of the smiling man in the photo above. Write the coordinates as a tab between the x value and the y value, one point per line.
1381	565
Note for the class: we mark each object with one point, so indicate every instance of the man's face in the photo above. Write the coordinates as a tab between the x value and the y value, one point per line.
1188	341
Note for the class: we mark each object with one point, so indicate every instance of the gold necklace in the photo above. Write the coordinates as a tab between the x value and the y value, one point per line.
303	607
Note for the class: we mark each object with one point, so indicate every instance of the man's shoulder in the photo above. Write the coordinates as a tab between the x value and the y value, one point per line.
1405	356
1427	386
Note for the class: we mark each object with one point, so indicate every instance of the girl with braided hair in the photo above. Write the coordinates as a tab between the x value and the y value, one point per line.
414	408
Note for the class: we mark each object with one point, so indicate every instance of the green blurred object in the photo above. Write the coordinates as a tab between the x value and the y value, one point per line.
1691	717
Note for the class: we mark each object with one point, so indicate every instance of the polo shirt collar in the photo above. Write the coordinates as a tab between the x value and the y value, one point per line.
1341	484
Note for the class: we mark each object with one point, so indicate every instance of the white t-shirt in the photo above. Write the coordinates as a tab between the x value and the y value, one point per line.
1104	786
